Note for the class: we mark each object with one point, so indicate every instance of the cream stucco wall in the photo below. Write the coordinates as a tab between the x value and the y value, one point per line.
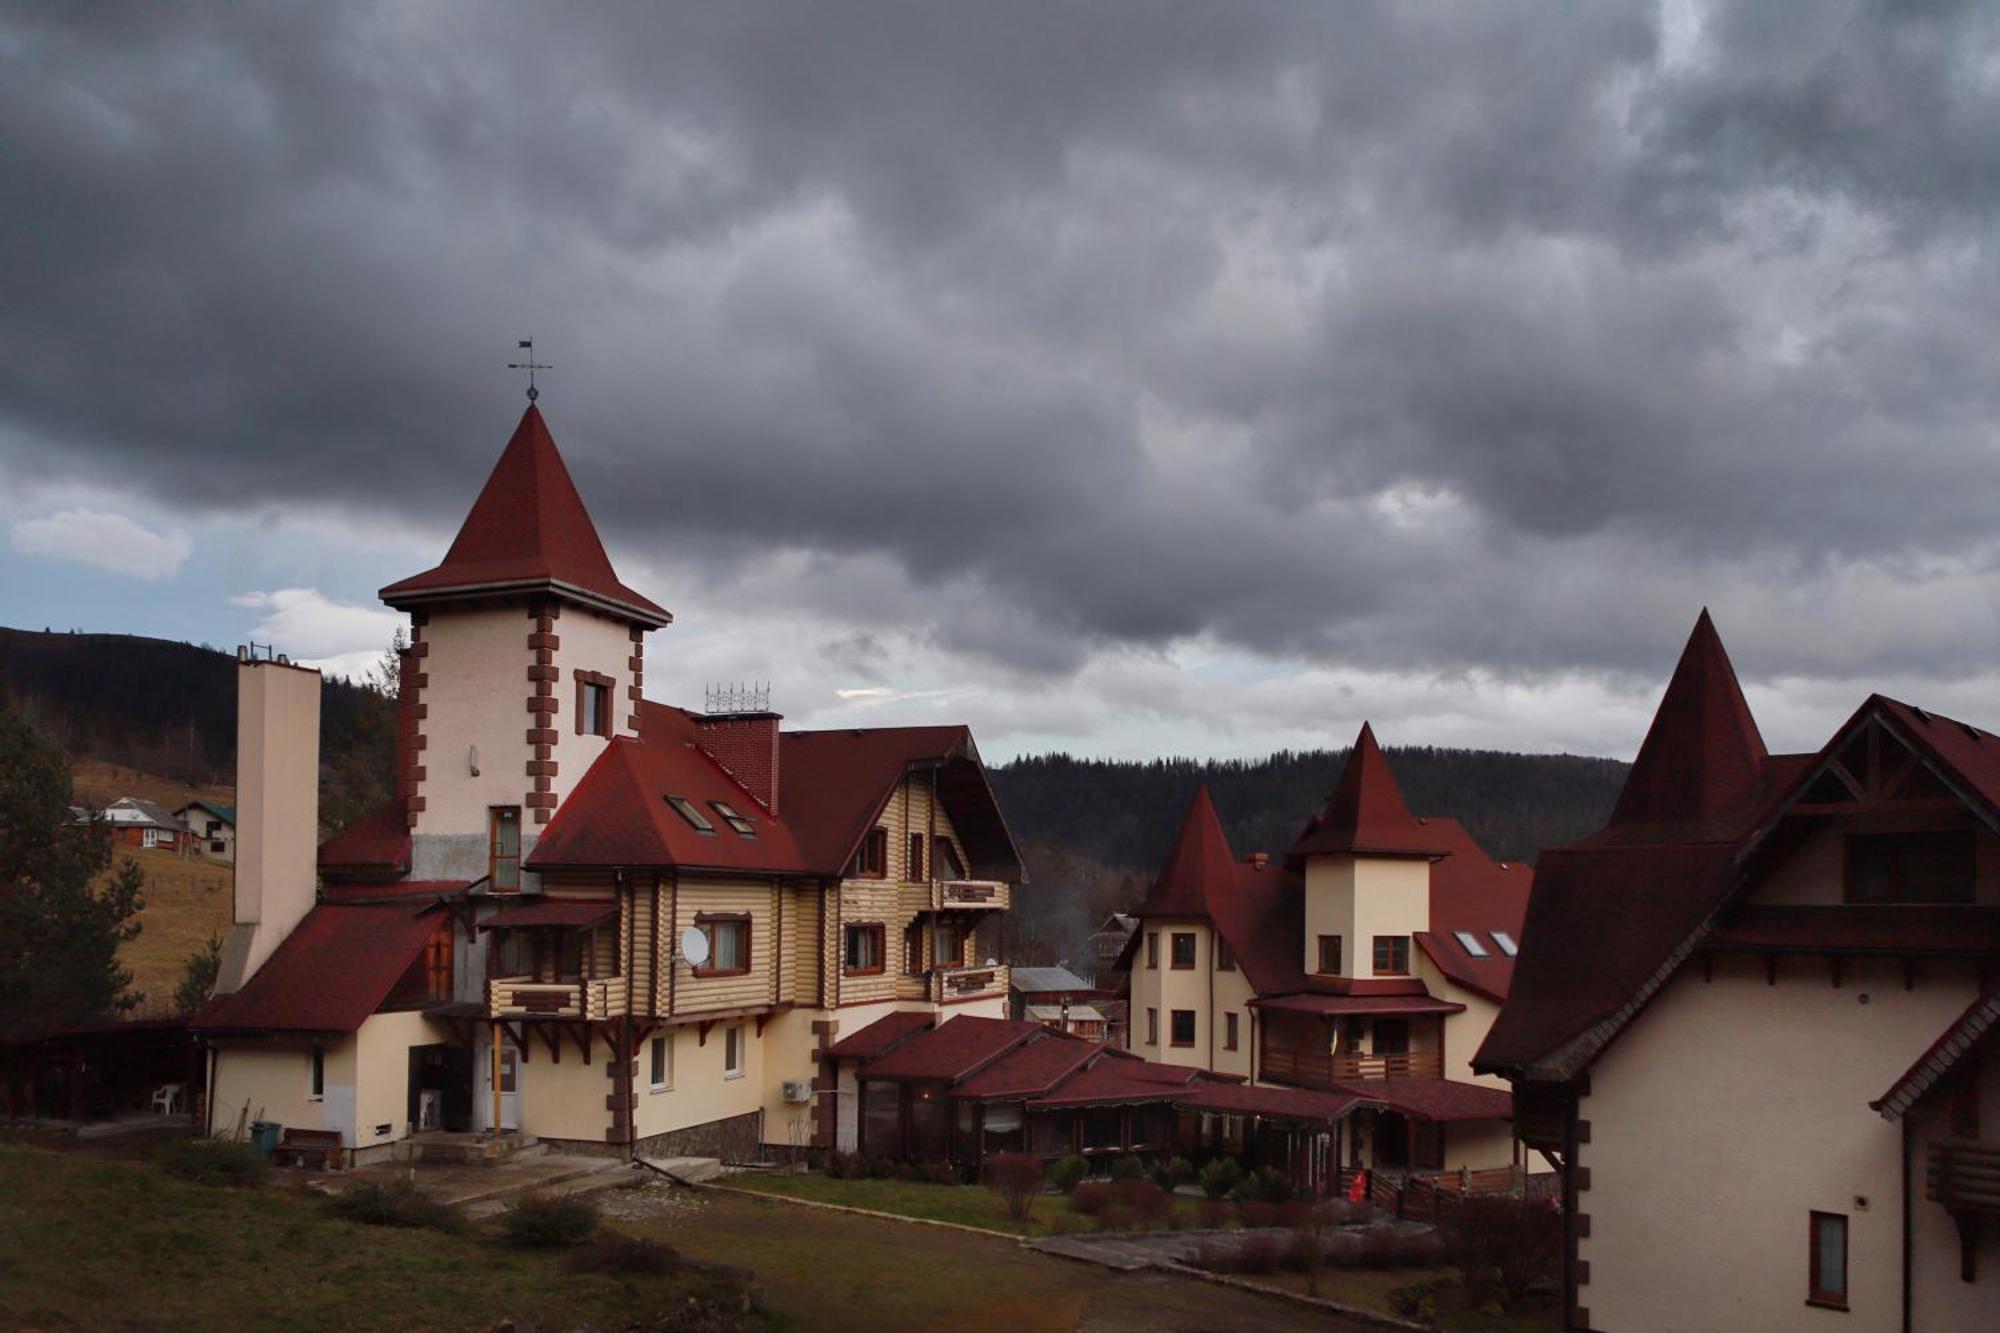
1358	898
382	1063
1939	1298
702	1091
277	795
1726	1114
273	1083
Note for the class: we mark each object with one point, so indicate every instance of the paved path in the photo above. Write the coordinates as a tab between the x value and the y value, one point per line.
473	1185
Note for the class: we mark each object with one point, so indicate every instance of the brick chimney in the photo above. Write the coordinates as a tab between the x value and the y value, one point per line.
747	745
277	808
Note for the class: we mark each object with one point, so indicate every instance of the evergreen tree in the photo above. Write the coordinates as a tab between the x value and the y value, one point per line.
198	976
59	936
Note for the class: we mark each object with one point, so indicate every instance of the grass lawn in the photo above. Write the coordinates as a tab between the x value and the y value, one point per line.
89	1242
967	1205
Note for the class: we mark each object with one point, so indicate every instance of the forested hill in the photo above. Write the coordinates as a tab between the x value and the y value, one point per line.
170	709
1124	813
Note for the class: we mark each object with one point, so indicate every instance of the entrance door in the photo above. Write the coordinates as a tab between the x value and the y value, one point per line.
510	1087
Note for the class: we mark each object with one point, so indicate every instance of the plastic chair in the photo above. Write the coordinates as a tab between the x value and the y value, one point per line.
168	1099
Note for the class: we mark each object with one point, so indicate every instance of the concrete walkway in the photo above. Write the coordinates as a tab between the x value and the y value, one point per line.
484	1189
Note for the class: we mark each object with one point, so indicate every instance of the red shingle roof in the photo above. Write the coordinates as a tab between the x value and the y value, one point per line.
1330	1006
395	891
1278	1103
336	967
375	846
1029	1070
1120	1082
1897	930
953	1050
882	1035
1960	1038
528	530
1437	1098
1366	813
1198	866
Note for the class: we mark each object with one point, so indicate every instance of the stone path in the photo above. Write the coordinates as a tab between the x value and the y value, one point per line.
485	1188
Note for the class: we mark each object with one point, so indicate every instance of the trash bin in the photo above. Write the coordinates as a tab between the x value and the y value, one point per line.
264	1133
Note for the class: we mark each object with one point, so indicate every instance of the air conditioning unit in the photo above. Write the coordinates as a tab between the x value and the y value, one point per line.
798	1090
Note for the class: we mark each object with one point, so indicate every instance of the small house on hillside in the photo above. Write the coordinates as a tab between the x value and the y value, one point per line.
137	823
1056	997
212	828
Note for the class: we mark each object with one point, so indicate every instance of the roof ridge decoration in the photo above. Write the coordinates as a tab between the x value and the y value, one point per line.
529	531
1198	863
1702	757
1366	813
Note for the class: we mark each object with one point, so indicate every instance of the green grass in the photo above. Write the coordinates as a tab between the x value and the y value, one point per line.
95	1243
967	1205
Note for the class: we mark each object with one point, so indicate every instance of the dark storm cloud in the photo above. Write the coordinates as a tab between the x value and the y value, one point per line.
1423	337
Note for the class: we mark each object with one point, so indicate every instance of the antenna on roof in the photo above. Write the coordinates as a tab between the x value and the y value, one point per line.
737	698
530	365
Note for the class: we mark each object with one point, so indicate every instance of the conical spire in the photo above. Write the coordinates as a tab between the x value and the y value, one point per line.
1366	812
1198	864
528	530
1703	756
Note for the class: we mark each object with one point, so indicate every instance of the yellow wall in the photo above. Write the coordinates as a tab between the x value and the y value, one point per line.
277	793
1358	898
382	1062
701	1091
272	1083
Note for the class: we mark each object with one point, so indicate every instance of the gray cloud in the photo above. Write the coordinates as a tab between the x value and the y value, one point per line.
1492	337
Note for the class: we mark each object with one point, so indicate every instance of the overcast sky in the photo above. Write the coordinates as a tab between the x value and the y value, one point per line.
1128	379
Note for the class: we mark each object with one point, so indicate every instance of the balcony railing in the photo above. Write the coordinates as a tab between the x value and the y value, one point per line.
957	895
524	997
947	984
1963	1175
1323	1069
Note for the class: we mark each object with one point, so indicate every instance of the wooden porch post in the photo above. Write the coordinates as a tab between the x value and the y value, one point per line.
493	1076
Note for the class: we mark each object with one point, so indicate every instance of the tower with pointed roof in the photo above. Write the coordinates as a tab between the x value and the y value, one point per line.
525	605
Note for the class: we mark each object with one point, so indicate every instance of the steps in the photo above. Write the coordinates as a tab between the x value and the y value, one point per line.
686	1170
472	1149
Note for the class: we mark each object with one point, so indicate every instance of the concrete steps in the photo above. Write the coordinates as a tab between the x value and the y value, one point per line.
568	1175
473	1150
687	1170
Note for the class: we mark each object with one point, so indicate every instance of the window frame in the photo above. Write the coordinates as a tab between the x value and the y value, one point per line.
660	1065
853	930
1506	942
871	858
316	1074
1469	941
913	860
740	823
1174	942
600	724
1152	951
1152	1026
1339	947
732	1051
1229	1030
705	923
1225	957
1396	944
1828	1298
691	814
1174	1017
944	852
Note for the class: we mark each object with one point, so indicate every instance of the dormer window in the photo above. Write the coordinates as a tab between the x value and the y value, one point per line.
687	810
1505	941
735	818
1470	943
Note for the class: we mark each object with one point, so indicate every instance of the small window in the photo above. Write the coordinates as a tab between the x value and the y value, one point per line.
1225	957
1329	955
662	1067
1183	947
862	951
316	1073
1910	868
948	946
1826	1276
1152	1027
687	810
1183	1027
1152	950
1229	1032
735	818
1392	955
1470	943
732	1052
1505	941
915	874
945	862
728	945
593	703
872	861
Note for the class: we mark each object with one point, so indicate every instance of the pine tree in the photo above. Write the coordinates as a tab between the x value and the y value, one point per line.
59	936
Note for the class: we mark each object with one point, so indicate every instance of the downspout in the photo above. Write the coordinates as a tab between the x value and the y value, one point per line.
1909	1324
625	1081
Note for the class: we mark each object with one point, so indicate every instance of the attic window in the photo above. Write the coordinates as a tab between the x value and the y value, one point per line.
735	818
1471	943
1505	941
686	810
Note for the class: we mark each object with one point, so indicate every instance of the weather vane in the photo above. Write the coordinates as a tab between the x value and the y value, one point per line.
530	365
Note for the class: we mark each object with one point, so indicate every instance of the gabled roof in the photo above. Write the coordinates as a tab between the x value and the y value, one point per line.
1124	1082
336	967
1470	891
879	1037
1029	1070
1960	1038
955	1049
374	846
226	813
1271	1102
149	813
1437	1098
528	531
1198	865
1045	980
1366	813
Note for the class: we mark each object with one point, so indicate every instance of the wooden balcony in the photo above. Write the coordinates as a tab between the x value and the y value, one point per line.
954	895
1963	1175
949	984
524	997
1323	1069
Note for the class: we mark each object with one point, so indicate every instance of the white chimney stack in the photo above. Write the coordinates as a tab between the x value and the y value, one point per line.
277	810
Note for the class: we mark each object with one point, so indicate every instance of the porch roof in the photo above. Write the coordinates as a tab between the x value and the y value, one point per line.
1435	1099
1114	1082
878	1037
1275	1103
1342	1006
571	913
335	969
1964	1033
1052	1013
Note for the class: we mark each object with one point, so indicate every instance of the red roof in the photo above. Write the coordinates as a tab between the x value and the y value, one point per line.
1120	1082
1029	1070
395	891
1960	1038
1334	1006
878	1037
1278	1103
568	913
1471	891
1198	866
1366	813
374	846
528	530
1437	1098
336	967
954	1050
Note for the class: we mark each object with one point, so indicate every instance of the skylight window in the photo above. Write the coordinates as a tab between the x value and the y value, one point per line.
1505	941
686	810
735	818
1471	943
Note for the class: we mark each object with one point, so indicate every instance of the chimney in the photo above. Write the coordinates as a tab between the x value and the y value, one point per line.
747	745
277	810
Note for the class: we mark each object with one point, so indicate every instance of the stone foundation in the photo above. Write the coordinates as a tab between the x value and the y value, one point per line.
736	1139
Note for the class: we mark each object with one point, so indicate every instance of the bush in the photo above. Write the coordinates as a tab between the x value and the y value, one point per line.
1496	1239
1266	1186
615	1252
1260	1254
1147	1202
1068	1173
1304	1253
1256	1213
1017	1178
1117	1217
1215	1213
398	1203
845	1166
1091	1197
1128	1168
1420	1300
213	1161
543	1221
939	1173
882	1168
1065	1224
1171	1175
1220	1177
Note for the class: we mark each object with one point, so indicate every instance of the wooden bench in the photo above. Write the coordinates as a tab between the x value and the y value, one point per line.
315	1148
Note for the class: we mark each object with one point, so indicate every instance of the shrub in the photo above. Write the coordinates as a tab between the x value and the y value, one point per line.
1516	1242
1017	1178
1214	1213
882	1168
396	1203
1256	1213
1344	1249
547	1220
1091	1197
1260	1254
1266	1186
1305	1253
615	1252
213	1161
1065	1224
1220	1177
1420	1300
1128	1167
1067	1173
1147	1202
1172	1174
845	1166
1117	1217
